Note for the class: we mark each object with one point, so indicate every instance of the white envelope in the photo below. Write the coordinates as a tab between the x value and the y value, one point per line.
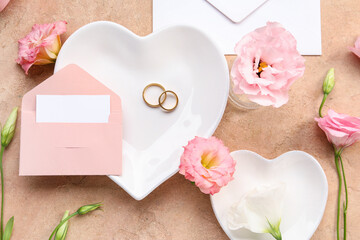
301	18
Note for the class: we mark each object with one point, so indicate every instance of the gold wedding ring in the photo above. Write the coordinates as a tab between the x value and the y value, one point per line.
160	101
162	97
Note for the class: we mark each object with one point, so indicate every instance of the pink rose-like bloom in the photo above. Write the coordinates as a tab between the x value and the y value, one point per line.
207	163
356	49
340	129
267	64
41	46
3	4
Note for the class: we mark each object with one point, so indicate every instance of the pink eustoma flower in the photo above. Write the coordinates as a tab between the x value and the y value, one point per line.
340	129
3	4
356	48
267	64
41	46
207	163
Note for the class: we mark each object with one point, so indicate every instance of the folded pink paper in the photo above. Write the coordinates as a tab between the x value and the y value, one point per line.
55	148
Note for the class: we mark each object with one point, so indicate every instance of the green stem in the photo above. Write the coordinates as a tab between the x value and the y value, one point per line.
61	223
277	237
322	104
339	194
274	230
2	192
346	195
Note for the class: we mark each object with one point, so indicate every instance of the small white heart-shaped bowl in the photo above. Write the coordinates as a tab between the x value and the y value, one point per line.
305	199
182	59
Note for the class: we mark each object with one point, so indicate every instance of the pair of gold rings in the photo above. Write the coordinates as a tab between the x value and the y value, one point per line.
162	97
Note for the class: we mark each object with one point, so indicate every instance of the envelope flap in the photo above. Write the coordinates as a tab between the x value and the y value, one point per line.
236	10
71	80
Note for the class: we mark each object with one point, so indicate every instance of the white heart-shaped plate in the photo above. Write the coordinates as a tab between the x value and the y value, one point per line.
305	199
182	59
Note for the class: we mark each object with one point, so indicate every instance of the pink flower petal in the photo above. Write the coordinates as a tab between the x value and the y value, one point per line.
3	4
340	129
41	46
209	179
276	47
356	49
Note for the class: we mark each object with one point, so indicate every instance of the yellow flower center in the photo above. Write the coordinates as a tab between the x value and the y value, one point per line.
262	66
209	160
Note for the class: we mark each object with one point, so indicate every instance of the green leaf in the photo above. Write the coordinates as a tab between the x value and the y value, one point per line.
8	229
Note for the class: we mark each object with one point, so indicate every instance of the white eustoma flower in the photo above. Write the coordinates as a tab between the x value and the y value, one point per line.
259	210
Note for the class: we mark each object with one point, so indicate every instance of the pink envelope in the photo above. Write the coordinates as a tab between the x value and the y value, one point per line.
70	148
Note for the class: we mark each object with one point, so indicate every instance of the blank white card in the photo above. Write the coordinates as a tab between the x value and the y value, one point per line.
72	108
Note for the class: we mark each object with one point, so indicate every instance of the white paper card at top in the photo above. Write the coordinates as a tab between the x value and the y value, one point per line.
301	18
72	108
236	10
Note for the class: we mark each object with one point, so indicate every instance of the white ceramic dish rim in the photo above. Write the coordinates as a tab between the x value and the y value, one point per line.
269	161
224	68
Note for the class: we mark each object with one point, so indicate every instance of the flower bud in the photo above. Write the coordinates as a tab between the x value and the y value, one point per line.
88	208
329	81
62	231
8	131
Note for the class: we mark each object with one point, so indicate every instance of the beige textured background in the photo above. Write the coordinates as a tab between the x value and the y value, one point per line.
176	210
